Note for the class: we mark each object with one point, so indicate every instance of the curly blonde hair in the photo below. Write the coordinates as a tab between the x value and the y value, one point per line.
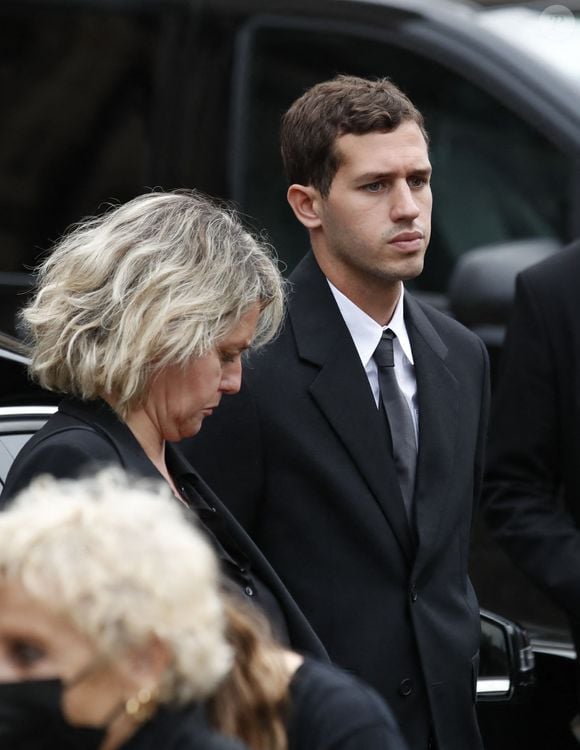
154	282
116	556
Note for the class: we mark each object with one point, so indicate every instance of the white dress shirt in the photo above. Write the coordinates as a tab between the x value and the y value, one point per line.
366	334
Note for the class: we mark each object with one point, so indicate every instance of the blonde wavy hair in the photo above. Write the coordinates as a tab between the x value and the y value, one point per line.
117	557
154	282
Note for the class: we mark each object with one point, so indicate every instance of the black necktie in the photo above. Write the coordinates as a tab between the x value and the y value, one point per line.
399	418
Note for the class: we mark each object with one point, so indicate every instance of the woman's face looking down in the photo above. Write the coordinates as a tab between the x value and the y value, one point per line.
180	398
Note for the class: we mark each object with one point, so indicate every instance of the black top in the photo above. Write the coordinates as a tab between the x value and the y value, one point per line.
86	435
179	730
331	710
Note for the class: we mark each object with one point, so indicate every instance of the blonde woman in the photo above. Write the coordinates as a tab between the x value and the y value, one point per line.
140	320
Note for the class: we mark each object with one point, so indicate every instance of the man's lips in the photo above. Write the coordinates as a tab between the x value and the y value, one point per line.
408	241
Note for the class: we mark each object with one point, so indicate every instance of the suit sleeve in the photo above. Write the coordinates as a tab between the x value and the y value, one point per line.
65	455
523	476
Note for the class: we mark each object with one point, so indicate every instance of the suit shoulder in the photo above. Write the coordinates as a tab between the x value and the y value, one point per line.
274	352
554	274
449	329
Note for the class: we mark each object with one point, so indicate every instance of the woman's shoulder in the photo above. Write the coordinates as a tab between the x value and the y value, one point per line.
332	709
64	447
74	428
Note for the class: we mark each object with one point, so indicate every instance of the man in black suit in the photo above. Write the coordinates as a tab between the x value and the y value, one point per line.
318	456
532	486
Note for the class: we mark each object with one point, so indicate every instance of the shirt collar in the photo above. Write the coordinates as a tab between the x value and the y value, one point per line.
366	332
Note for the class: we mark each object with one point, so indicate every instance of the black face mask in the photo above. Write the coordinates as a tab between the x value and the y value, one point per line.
31	718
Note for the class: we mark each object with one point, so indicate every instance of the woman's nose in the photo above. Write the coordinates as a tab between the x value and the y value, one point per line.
232	377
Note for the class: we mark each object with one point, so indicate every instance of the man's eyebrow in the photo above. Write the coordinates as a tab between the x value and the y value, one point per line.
378	176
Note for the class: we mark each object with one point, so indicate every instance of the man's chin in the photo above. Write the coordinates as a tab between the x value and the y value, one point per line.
404	270
410	268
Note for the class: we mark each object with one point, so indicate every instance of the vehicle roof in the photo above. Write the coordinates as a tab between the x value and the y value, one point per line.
512	42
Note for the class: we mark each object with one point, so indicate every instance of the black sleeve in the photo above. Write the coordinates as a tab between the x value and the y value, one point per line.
362	721
332	710
523	476
67	454
373	737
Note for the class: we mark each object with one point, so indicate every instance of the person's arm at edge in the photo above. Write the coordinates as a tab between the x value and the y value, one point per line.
520	497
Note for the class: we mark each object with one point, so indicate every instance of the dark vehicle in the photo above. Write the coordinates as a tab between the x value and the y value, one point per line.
104	99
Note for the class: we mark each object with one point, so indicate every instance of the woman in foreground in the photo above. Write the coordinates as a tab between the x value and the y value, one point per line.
112	625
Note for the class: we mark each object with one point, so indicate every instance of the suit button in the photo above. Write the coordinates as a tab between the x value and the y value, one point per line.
249	591
413	593
406	687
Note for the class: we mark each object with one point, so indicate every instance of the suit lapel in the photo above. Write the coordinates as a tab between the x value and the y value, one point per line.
438	394
341	391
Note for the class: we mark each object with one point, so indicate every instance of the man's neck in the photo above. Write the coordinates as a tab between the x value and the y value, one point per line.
376	297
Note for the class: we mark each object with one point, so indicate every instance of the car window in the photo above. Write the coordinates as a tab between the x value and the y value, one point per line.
10	445
495	178
6	459
13	444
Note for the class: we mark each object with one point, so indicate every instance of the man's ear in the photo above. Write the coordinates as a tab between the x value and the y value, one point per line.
305	201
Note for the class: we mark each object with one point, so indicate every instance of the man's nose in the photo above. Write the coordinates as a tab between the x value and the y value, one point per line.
404	205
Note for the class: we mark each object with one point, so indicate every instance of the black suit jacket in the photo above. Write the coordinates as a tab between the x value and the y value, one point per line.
83	436
301	457
532	487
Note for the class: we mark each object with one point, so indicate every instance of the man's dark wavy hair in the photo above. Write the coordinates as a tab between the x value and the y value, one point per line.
346	104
